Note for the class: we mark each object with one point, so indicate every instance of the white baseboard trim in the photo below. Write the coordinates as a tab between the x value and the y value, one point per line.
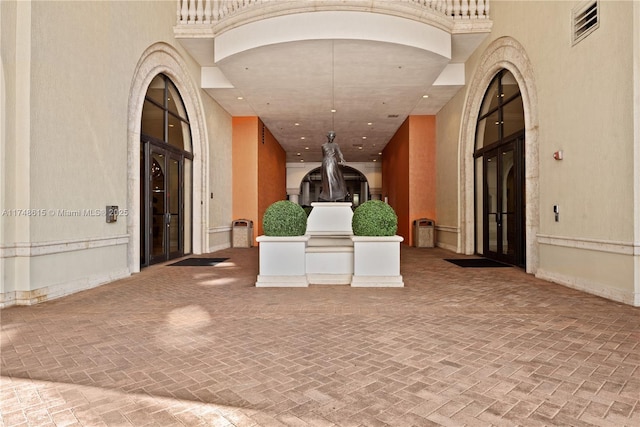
7	299
219	230
447	246
450	230
51	292
590	287
219	247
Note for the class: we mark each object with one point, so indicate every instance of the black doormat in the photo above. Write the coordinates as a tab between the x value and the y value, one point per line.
198	262
477	263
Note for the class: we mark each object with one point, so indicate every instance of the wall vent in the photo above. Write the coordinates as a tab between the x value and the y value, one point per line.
585	20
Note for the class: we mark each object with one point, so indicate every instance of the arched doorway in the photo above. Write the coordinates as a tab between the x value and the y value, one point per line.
161	58
500	173
504	53
357	186
165	174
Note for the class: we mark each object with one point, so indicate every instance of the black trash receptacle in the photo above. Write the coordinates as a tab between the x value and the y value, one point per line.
424	233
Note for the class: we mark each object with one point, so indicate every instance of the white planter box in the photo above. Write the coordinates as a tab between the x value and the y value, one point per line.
376	261
282	261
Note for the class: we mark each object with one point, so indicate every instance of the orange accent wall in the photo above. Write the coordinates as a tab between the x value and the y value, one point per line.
272	173
245	168
408	173
395	177
259	170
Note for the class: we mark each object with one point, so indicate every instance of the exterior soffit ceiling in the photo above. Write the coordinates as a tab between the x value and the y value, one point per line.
373	69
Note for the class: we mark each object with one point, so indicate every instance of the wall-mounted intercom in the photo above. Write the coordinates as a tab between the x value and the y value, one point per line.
112	214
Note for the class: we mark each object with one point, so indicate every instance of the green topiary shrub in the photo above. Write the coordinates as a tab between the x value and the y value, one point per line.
374	218
284	218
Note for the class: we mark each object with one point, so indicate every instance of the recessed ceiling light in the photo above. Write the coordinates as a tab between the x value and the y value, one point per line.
364	137
360	148
375	160
369	123
380	153
425	96
302	137
306	148
240	98
301	160
296	124
333	110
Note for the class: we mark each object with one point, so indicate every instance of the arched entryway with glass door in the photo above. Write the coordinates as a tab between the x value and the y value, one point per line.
504	58
500	165
165	175
162	59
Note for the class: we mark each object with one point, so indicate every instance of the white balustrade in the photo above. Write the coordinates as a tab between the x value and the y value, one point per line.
212	11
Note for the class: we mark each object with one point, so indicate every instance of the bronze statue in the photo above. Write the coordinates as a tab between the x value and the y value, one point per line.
333	186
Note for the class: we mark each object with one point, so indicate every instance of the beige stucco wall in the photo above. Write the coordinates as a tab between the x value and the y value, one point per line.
3	162
447	172
219	127
70	138
585	107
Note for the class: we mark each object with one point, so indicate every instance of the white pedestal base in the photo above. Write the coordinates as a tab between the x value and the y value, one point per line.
282	281
329	279
377	282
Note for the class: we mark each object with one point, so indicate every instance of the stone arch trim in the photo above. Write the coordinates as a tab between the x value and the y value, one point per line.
295	177
163	58
502	53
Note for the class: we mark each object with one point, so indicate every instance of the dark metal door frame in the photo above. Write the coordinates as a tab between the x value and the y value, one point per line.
503	218
162	222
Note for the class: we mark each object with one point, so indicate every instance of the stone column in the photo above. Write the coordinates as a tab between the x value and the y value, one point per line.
376	193
305	194
364	191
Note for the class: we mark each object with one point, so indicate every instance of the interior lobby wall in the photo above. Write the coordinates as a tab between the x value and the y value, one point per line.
395	177
408	173
272	173
422	170
245	169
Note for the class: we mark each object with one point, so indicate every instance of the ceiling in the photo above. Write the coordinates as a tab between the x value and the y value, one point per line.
293	84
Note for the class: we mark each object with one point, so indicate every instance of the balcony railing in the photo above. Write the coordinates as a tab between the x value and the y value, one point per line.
213	13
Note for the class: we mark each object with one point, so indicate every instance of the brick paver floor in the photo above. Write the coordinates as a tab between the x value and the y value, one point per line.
175	346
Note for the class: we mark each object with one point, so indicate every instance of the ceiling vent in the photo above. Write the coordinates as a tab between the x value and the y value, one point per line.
393	116
586	19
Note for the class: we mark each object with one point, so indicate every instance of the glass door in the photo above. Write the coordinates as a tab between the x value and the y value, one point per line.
157	206
165	174
503	205
174	207
165	205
